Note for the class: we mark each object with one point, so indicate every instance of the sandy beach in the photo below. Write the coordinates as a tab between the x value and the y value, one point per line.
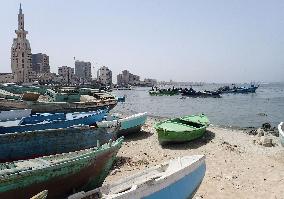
237	167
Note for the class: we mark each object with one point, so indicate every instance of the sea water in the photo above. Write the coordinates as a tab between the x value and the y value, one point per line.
234	110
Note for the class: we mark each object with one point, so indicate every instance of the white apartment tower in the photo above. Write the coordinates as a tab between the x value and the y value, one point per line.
21	53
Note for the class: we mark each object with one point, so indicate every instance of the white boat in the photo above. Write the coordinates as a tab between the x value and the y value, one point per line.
281	133
129	125
14	114
178	178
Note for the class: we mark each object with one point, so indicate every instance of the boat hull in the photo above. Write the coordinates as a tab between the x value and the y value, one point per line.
177	180
281	133
14	114
128	125
61	181
88	119
183	188
55	107
26	145
165	137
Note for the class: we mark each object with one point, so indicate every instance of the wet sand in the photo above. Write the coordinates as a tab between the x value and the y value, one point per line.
236	166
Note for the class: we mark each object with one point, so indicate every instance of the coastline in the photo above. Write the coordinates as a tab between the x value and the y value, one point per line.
237	167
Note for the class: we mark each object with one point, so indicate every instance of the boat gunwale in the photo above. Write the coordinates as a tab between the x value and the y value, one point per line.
90	152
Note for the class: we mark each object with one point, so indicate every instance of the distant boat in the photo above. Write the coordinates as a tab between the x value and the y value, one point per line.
203	94
281	133
60	174
52	121
181	129
179	178
31	144
128	125
226	89
161	92
14	114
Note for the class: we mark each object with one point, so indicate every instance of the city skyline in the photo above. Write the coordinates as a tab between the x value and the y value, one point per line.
252	54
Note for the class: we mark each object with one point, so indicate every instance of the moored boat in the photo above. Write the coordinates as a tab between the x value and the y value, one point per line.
31	144
30	96
60	174
41	122
14	114
178	178
128	125
281	133
56	107
182	129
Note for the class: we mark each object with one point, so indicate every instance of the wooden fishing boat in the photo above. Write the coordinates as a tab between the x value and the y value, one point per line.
128	125
56	107
178	178
60	174
32	144
14	114
182	129
53	121
41	195
281	133
30	96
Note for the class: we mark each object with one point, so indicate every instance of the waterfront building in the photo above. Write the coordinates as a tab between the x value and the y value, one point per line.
40	63
150	82
67	74
6	77
83	71
104	76
21	64
126	78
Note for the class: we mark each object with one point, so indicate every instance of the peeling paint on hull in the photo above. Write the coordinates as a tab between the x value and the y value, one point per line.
62	180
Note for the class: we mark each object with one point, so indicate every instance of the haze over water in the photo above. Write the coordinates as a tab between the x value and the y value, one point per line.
236	110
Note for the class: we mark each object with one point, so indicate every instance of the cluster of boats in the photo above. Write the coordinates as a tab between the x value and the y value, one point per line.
67	153
185	92
62	142
54	100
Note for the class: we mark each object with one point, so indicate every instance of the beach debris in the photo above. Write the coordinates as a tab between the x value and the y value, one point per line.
266	126
260	132
265	141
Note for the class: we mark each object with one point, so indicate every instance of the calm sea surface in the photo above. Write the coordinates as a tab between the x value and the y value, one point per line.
235	110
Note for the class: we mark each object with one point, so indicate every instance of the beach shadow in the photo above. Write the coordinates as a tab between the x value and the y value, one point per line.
137	136
194	144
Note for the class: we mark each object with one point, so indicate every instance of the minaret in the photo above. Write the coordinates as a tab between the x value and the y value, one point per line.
21	53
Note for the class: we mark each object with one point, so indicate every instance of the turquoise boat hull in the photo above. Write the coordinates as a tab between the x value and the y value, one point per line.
128	125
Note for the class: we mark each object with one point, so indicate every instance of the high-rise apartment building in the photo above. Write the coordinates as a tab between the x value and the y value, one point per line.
104	76
40	63
83	70
67	74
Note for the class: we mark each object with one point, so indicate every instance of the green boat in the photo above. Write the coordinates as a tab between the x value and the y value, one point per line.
182	129
60	174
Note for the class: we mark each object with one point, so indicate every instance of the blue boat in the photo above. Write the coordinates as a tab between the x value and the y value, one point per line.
281	133
52	121
32	144
128	125
178	178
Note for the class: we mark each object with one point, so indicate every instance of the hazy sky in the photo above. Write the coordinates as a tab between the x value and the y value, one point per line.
201	40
